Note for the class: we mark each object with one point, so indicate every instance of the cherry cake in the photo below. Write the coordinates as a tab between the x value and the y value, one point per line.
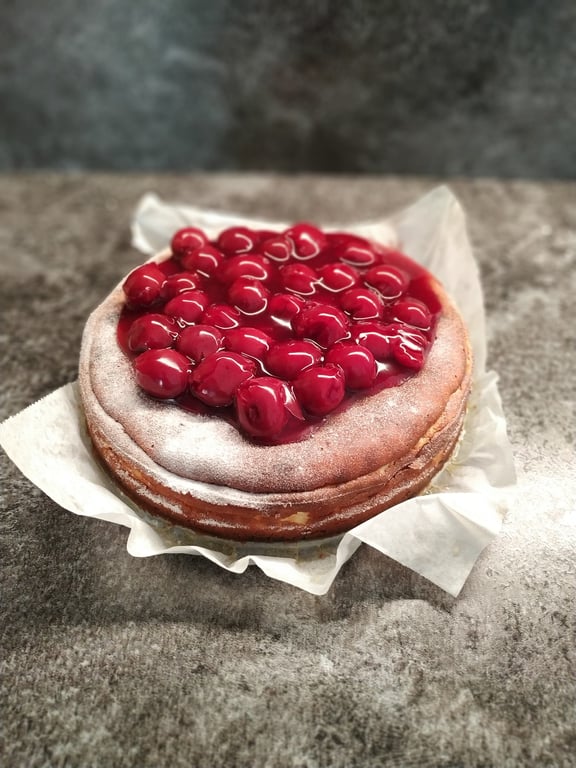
274	385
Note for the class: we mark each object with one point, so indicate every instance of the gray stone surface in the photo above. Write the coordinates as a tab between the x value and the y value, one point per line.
109	660
439	87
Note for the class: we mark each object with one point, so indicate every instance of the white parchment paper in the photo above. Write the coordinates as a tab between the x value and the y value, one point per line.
439	534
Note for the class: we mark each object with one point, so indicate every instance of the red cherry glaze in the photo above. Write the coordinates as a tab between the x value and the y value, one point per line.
215	380
154	331
205	260
289	320
288	358
338	277
143	286
199	341
282	307
413	312
237	240
357	364
362	304
162	373
388	280
187	239
248	295
178	283
253	342
321	323
299	278
320	389
187	307
251	265
222	316
308	240
265	405
277	248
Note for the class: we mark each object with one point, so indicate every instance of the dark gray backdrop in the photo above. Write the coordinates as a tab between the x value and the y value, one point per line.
486	87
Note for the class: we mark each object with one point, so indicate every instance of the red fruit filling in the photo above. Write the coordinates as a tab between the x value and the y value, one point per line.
274	331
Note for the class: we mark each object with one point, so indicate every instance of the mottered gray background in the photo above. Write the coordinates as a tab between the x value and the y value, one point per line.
486	87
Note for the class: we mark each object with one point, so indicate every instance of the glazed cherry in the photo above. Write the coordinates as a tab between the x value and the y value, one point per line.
282	307
205	260
187	307
357	364
253	342
375	337
299	278
154	331
143	286
265	405
388	280
248	295
362	304
277	248
288	358
237	240
199	341
308	240
408	346
250	265
222	316
358	254
413	312
338	277
180	282
162	373
321	389
187	239
215	380
322	323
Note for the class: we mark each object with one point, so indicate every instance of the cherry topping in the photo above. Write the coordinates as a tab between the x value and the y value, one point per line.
277	248
390	281
153	331
237	240
199	341
180	282
282	307
322	323
248	295
143	285
413	312
279	324
215	380
249	341
288	358
206	260
222	316
338	277
320	389
251	265
187	239
264	406
187	307
357	363
299	278
308	240
162	373
362	304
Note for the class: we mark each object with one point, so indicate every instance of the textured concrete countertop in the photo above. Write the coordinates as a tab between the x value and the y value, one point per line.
169	661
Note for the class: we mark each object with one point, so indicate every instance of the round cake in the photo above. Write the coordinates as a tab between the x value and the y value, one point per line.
274	386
